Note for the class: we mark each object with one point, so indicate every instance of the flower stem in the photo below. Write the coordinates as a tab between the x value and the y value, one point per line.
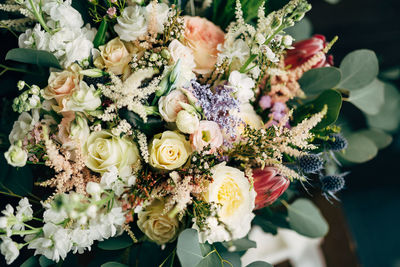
39	16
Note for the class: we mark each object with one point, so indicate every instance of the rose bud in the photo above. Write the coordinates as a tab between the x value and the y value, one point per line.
269	185
304	50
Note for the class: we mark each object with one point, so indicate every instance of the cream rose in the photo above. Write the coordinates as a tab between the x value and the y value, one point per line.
203	37
249	116
114	56
169	105
187	122
169	150
84	99
16	156
233	192
62	84
157	225
184	53
207	134
103	150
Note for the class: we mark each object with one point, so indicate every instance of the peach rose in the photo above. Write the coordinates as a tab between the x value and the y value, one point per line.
208	133
62	84
203	38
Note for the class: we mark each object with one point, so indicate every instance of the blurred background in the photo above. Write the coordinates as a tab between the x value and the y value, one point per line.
365	224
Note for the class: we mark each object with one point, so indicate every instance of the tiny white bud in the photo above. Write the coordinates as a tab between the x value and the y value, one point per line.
93	188
287	40
21	85
91	211
187	122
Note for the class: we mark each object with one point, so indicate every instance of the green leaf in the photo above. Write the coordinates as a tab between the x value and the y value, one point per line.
265	225
18	180
152	126
31	56
306	219
360	148
113	264
188	248
31	262
100	37
317	80
45	262
359	68
240	244
232	258
388	117
210	260
369	98
379	137
115	243
301	30
259	264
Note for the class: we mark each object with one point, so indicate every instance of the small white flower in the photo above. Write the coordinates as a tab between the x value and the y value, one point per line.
16	156
63	13
109	177
287	40
81	240
161	15
23	126
93	189
9	249
187	122
21	85
244	86
24	210
260	38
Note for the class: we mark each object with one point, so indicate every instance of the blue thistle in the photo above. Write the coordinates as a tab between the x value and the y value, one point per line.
311	163
332	183
338	143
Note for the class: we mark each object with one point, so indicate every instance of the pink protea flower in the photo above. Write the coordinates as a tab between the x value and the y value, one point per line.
304	50
269	185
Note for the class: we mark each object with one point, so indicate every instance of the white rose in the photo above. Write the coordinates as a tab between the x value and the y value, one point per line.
160	15
9	249
169	105
232	191
83	99
23	126
187	122
249	117
243	85
184	53
169	150
104	150
132	24
16	156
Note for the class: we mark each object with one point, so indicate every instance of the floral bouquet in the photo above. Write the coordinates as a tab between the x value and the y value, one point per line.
159	137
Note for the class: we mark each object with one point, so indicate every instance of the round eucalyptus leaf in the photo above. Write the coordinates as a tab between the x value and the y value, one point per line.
113	264
259	264
306	219
333	100
360	148
240	244
115	243
31	262
379	137
317	80
359	68
370	98
188	248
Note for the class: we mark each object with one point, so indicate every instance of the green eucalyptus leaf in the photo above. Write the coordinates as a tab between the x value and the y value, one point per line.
317	80
369	98
306	219
240	244
115	243
232	258
31	56
31	262
265	225
113	264
379	137
210	260
360	148
188	248
388	118
45	262
259	264
359	68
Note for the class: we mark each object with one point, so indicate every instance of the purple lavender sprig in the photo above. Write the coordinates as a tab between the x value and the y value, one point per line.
218	106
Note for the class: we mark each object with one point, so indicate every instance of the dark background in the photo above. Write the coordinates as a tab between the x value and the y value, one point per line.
365	226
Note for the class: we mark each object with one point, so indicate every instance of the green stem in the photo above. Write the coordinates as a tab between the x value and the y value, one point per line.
6	68
39	17
26	232
247	63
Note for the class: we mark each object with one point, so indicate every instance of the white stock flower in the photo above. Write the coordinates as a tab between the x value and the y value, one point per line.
23	126
160	15
63	13
9	249
35	38
84	99
16	156
132	23
232	191
237	50
54	244
243	85
107	225
80	47
24	210
81	240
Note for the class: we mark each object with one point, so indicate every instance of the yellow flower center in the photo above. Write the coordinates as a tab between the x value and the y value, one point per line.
230	196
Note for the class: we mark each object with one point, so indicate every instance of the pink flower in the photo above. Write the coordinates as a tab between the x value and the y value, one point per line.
208	133
265	102
111	12
203	38
305	49
269	186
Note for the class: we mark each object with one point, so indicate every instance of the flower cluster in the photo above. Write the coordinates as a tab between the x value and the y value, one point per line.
158	123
